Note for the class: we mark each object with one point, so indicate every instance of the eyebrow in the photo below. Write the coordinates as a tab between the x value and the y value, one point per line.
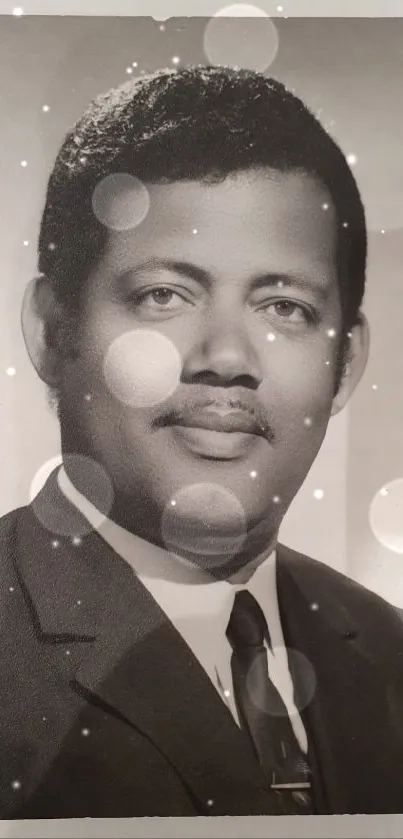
294	279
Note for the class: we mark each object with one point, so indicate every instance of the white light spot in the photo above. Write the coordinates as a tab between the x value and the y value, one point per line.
78	602
11	588
120	201
85	732
386	516
55	543
251	43
16	785
88	397
45	109
325	206
351	159
67	652
269	701
276	499
349	334
129	70
280	284
11	371
195	230
345	223
26	243
331	333
44	719
241	10
271	336
18	11
94	483
24	163
382	231
142	368
83	159
210	802
308	422
173	503
374	387
253	474
327	363
162	28
76	540
207	526
314	607
280	9
135	64
227	693
318	494
51	246
176	59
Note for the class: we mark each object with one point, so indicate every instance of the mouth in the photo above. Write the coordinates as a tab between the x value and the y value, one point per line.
223	420
217	435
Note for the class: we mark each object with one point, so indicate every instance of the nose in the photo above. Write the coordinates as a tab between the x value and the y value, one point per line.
224	351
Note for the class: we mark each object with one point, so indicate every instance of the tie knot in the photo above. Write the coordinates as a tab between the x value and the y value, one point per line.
247	625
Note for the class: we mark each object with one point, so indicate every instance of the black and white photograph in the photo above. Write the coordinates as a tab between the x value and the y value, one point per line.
201	403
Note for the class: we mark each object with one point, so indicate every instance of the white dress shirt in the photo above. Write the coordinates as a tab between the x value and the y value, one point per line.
198	606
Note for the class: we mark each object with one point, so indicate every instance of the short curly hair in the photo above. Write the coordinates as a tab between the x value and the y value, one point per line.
199	123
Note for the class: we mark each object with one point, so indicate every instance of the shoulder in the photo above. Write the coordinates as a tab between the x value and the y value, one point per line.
345	599
8	530
320	573
8	524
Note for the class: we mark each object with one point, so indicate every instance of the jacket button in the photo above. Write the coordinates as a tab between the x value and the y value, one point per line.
302	798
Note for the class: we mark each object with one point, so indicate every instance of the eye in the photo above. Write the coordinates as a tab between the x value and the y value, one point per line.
162	295
290	312
158	299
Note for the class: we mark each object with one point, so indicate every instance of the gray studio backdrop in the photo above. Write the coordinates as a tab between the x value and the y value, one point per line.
349	70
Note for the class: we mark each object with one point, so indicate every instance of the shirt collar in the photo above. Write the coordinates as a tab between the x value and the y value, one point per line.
189	596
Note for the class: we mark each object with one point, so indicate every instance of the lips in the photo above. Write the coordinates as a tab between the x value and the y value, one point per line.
215	420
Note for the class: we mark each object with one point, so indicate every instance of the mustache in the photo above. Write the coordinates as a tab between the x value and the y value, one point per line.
182	412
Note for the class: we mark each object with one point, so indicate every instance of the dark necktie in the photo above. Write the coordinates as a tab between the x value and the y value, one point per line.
261	710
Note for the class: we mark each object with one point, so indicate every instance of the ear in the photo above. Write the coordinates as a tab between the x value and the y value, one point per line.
356	361
40	317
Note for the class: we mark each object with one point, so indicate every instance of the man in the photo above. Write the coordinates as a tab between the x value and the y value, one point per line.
197	319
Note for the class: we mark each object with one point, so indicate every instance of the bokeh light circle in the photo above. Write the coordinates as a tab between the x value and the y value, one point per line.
386	516
299	664
142	368
120	201
206	524
241	35
86	475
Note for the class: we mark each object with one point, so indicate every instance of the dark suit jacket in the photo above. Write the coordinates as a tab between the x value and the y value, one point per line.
106	712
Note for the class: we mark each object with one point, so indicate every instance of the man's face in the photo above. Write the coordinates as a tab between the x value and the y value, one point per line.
237	281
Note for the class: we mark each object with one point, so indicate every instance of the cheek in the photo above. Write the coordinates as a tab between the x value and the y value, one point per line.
298	386
138	364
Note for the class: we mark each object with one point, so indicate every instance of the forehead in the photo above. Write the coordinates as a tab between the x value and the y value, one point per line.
249	219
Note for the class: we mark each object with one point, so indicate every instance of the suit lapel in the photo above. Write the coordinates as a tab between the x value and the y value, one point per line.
135	663
149	676
347	717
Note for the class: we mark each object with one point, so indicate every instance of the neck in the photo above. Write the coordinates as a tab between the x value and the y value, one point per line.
142	518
